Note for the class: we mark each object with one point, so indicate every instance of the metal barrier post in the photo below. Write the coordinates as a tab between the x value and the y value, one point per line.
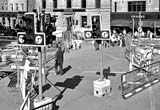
40	72
101	61
44	65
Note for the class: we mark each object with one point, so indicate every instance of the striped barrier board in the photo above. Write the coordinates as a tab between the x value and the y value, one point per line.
126	96
135	81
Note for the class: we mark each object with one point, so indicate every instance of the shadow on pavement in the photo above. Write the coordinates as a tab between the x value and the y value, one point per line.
35	93
70	83
107	73
59	97
66	69
46	87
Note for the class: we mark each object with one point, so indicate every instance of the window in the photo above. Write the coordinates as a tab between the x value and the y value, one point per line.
6	6
115	8
98	3
11	6
3	20
22	7
137	6
17	6
84	21
159	5
54	3
44	4
2	7
83	3
69	4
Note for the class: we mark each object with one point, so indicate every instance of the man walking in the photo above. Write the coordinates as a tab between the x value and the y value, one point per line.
59	59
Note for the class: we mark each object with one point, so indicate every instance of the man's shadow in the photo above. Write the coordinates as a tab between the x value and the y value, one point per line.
70	83
66	69
106	73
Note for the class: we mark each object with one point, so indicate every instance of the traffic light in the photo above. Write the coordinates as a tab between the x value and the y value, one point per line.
31	37
69	23
29	20
96	26
30	23
47	18
53	19
49	27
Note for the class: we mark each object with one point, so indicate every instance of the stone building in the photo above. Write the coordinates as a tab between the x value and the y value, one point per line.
11	9
135	5
78	11
135	13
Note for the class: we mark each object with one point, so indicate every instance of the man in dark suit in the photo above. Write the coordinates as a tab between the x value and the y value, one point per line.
59	59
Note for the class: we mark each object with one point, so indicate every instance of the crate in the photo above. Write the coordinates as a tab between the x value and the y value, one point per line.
101	87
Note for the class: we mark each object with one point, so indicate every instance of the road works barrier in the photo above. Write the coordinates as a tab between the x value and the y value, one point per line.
135	81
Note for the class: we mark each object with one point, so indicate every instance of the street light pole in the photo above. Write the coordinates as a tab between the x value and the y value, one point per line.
101	61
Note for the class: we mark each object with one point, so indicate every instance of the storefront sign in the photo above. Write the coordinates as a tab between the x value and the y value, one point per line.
137	16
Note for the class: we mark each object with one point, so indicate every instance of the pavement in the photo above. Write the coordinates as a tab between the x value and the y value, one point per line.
81	68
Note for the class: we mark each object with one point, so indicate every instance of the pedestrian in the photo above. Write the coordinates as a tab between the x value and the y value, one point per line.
59	57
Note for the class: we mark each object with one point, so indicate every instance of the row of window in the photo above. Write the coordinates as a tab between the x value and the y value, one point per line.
69	4
134	6
17	7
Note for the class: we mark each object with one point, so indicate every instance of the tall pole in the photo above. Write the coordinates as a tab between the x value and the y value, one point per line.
40	72
27	5
18	70
155	28
140	21
44	65
101	61
133	25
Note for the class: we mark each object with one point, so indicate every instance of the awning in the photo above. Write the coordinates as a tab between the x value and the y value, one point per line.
9	14
121	23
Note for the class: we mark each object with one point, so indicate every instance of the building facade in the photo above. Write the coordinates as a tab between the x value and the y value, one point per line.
11	9
135	13
78	11
135	5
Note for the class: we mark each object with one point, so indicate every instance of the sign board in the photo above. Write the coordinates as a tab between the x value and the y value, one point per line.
88	34
139	29
37	40
105	34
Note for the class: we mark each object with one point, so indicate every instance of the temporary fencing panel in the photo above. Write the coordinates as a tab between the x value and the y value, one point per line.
139	79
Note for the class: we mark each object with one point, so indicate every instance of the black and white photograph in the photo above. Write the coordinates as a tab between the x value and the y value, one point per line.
79	54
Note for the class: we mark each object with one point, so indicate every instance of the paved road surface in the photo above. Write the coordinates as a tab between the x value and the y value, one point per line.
77	83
